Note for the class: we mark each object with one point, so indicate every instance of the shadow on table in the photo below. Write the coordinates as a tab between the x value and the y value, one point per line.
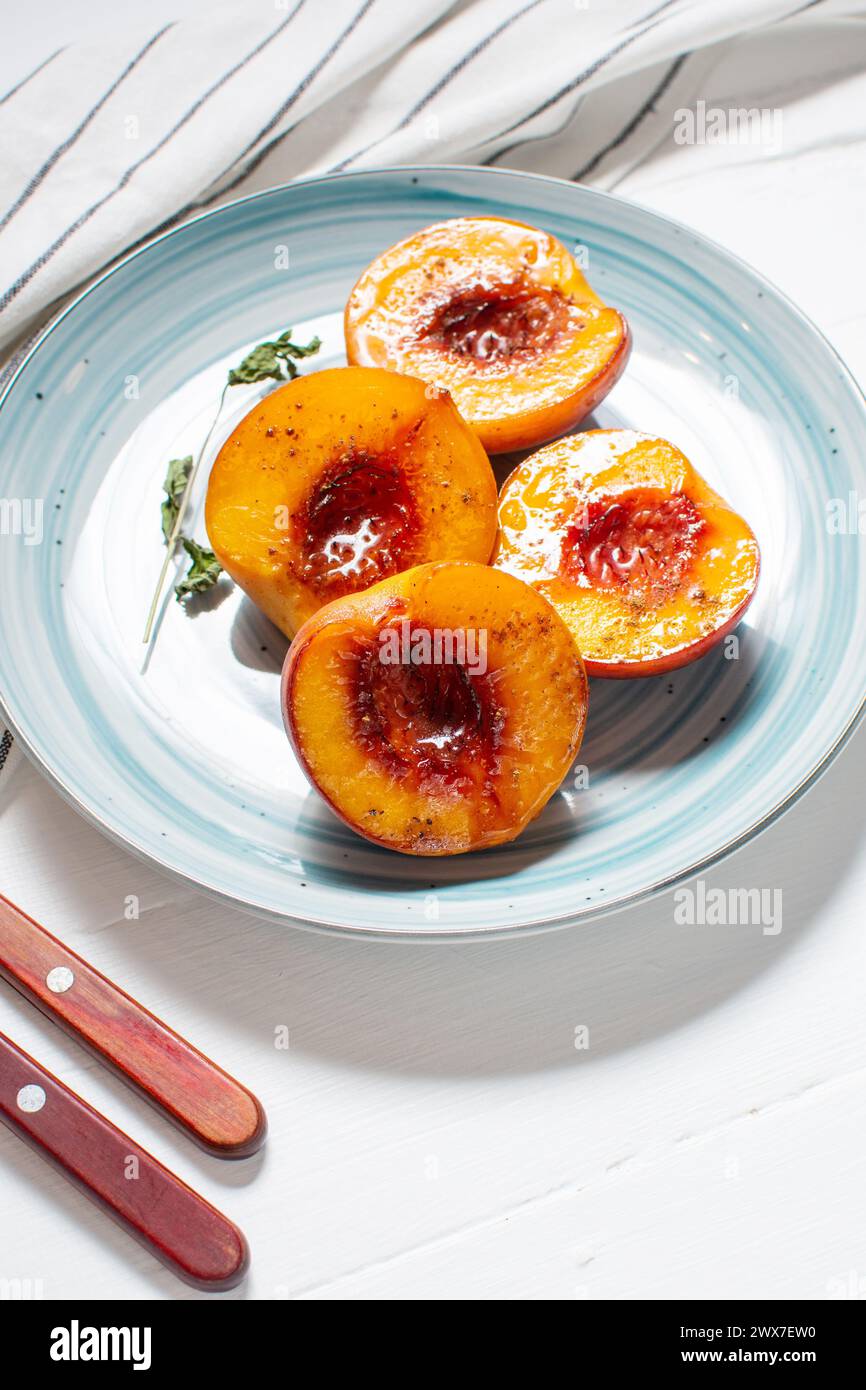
512	1005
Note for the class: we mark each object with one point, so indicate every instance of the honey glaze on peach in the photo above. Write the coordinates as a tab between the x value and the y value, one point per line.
645	539
493	323
357	524
426	723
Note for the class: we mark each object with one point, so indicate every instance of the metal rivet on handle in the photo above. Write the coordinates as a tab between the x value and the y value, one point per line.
30	1099
60	979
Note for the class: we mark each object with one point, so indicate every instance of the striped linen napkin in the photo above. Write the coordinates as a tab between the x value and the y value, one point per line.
103	144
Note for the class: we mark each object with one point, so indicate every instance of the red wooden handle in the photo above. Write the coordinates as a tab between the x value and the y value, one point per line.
214	1109
183	1230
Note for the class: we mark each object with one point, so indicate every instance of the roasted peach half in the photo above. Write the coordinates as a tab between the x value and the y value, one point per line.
500	314
647	565
341	478
438	711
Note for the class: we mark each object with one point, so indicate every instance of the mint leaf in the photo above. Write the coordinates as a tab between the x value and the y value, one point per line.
202	574
273	361
285	346
269	361
175	483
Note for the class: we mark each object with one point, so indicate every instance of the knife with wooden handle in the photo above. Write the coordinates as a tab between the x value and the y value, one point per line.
177	1225
208	1104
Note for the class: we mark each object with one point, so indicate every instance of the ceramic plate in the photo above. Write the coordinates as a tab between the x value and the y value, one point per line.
183	758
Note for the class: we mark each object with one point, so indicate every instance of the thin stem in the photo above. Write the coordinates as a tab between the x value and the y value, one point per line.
175	530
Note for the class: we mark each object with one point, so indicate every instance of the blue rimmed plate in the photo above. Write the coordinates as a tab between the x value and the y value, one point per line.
183	759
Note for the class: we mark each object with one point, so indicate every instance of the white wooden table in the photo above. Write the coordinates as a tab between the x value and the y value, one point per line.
434	1130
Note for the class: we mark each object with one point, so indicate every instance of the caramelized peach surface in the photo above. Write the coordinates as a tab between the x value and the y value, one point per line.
341	478
498	313
647	565
438	711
